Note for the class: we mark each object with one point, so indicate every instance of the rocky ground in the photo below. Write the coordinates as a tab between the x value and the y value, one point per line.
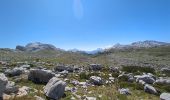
91	82
116	74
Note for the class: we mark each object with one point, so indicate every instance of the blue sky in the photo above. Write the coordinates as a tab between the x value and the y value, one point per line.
83	24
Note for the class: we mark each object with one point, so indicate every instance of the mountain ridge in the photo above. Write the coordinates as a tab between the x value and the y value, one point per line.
37	46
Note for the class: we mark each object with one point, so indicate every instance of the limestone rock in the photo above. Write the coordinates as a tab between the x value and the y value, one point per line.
55	88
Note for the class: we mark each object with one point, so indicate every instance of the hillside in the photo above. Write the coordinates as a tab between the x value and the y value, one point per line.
128	73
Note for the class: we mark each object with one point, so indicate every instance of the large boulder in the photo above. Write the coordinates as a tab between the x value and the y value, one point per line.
114	69
149	79
11	88
61	68
95	67
165	70
3	83
165	96
14	72
96	80
150	89
163	81
40	75
55	88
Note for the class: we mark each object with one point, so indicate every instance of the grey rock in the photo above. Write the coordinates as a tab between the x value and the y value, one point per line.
14	72
146	78
55	88
165	96
112	79
165	70
129	77
61	68
150	89
124	91
96	80
25	66
95	67
163	81
75	82
11	88
90	98
38	98
141	82
40	75
3	83
114	69
23	91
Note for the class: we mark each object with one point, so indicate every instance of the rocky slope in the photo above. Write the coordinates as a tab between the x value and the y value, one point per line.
37	46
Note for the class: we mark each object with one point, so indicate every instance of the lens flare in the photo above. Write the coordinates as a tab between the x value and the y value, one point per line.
78	9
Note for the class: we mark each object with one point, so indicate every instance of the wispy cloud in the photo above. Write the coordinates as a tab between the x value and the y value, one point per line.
78	9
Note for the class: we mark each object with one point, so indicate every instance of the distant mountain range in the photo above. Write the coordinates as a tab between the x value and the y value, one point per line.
37	46
87	52
142	44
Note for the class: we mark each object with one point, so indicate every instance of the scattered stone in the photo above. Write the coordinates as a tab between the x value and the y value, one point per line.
73	98
82	83
146	78
163	81
11	88
75	82
100	96
60	68
74	89
114	69
40	75
111	79
68	88
165	96
55	88
3	83
150	89
14	72
8	97
38	98
91	98
165	70
25	66
124	91
126	77
64	73
23	91
96	80
141	82
95	67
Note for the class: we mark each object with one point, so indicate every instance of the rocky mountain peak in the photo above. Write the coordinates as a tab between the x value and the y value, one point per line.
36	46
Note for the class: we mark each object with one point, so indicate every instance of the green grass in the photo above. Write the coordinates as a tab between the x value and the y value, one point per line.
135	69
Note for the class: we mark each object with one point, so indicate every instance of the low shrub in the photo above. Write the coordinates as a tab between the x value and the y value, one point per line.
85	75
162	87
115	74
122	97
123	78
138	69
135	86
